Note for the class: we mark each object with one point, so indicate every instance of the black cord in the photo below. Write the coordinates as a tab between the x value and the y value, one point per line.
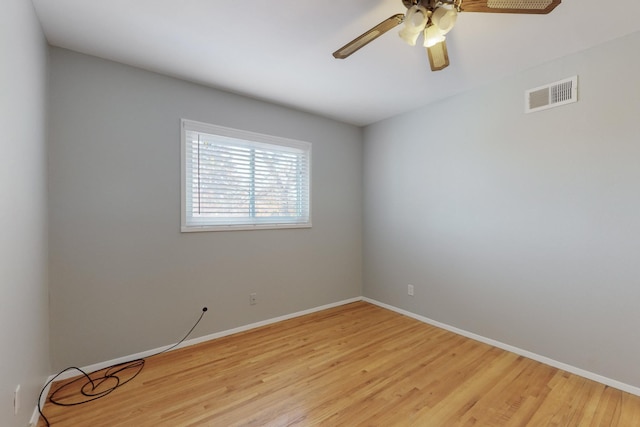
96	388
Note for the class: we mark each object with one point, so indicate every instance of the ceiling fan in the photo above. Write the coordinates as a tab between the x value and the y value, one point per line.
435	18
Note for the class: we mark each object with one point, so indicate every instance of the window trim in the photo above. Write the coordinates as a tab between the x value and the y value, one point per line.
191	125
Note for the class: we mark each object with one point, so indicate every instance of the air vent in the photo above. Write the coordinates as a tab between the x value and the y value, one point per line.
551	95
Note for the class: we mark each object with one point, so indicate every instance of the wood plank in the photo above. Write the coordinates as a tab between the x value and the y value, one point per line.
520	6
353	365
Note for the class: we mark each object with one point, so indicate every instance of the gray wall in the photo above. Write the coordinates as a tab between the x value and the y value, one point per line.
123	277
520	228
24	348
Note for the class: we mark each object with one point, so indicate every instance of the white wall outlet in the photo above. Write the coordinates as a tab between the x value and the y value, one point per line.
253	298
410	290
16	400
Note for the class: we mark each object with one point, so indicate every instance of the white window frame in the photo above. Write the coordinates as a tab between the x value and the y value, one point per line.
190	224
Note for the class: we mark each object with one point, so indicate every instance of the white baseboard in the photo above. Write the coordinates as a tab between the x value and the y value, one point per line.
542	359
34	418
187	343
194	341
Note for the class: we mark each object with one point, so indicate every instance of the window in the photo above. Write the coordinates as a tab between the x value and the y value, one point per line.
238	180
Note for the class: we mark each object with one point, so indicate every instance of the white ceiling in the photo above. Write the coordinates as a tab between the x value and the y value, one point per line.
280	50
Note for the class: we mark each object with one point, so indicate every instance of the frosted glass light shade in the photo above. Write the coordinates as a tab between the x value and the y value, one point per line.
414	23
432	36
444	17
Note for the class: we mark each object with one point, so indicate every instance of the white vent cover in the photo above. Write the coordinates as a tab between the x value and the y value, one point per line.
551	95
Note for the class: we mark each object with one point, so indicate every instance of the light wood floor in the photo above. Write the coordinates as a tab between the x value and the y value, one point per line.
355	365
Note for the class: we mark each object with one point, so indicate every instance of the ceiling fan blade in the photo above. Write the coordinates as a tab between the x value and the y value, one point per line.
438	56
510	6
369	36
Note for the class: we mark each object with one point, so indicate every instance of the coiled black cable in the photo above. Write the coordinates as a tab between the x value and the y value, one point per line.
114	376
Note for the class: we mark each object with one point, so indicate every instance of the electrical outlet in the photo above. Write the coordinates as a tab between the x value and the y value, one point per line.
16	400
410	290
253	298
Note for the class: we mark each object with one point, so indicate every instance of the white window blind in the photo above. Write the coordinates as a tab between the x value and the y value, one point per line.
235	179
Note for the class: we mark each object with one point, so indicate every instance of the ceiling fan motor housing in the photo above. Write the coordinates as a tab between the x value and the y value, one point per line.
428	4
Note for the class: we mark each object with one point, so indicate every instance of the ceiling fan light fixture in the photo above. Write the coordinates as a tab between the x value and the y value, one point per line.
432	36
414	23
435	18
444	17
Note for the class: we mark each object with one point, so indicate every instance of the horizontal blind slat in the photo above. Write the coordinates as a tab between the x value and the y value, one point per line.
233	180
